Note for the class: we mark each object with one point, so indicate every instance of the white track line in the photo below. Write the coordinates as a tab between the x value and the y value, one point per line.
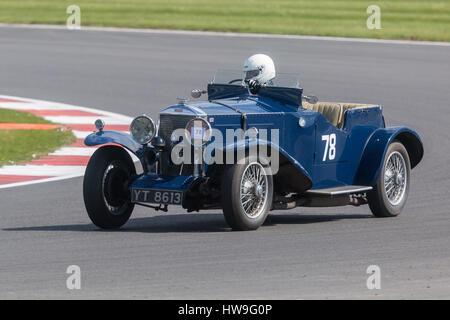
32	106
42	105
73	151
25	183
84	119
57	172
41	170
227	34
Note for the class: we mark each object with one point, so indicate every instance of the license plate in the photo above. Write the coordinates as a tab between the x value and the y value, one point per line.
156	196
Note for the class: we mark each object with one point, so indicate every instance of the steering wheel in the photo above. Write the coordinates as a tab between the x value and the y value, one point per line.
233	81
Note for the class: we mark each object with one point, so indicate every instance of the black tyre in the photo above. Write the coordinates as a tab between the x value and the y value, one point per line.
105	187
247	192
389	195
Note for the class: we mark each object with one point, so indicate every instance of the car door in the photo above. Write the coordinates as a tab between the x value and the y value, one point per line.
330	167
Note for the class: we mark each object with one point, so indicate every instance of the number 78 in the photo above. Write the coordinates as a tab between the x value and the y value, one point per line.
330	146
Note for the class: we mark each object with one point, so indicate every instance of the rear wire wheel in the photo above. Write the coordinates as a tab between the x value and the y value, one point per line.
391	191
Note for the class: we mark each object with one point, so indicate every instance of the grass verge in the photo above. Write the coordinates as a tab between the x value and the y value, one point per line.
13	116
24	145
400	19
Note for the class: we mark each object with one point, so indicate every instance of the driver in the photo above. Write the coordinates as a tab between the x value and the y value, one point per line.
258	70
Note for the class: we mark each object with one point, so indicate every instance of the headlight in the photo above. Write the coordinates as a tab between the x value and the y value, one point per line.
198	132
143	129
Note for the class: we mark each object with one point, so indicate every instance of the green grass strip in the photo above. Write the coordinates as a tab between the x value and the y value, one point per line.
18	146
400	19
13	116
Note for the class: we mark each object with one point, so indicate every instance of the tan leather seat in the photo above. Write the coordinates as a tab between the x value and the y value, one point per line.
333	112
346	106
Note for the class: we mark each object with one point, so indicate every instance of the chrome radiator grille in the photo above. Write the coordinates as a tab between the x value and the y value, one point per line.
167	124
170	122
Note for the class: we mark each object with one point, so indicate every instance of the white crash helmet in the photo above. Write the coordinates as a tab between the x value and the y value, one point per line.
258	67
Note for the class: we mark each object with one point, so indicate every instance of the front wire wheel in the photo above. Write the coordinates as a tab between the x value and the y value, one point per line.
253	190
247	191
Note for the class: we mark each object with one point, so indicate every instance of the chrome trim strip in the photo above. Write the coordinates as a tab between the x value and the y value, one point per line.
340	190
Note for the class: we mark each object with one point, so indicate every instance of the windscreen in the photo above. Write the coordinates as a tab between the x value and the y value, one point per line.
287	80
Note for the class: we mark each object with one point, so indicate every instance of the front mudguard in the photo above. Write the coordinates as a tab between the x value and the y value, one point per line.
120	138
372	160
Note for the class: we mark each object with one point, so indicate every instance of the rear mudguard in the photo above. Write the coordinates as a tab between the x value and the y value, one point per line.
372	160
120	138
247	144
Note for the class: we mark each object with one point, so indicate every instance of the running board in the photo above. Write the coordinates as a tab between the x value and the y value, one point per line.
329	197
339	191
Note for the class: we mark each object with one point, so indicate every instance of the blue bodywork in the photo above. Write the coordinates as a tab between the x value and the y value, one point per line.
361	142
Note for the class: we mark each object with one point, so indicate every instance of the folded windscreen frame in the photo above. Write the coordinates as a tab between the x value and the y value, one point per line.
284	88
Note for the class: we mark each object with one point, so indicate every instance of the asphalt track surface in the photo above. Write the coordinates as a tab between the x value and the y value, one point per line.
302	253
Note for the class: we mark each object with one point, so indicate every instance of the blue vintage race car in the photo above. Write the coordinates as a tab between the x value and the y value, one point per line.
249	153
